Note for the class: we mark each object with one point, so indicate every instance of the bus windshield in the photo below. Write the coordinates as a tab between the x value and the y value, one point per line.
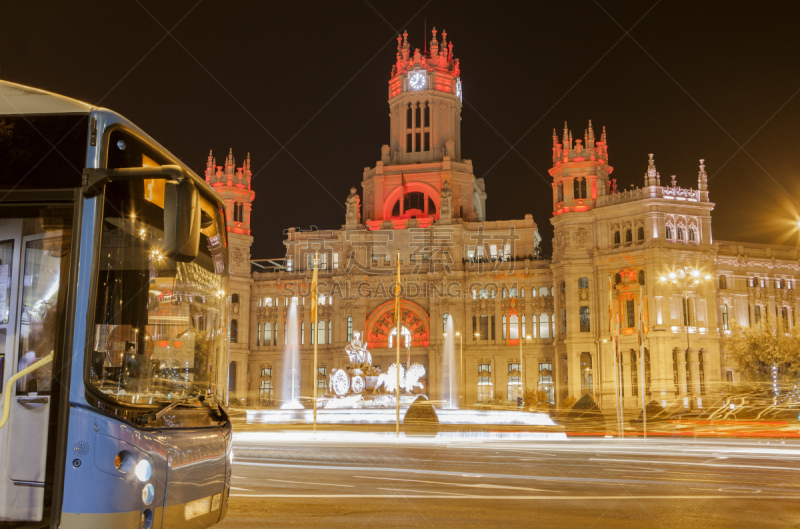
160	327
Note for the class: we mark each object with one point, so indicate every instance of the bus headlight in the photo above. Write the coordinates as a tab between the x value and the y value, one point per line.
143	470
148	493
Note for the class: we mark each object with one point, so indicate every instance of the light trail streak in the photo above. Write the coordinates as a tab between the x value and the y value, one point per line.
451	496
520	477
472	485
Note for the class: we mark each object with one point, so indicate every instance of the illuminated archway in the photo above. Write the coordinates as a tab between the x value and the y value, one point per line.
381	324
427	190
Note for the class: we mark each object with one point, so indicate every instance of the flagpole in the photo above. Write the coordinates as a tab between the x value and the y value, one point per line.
612	337
641	360
398	337
314	312
621	380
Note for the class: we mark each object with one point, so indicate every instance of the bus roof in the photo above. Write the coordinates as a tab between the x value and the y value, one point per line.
17	99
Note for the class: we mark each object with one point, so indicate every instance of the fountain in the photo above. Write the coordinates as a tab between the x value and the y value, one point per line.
449	371
291	362
362	400
361	385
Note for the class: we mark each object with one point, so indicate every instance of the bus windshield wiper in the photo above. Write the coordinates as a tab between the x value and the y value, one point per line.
192	402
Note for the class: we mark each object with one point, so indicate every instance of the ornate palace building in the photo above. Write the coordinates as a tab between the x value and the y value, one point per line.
518	319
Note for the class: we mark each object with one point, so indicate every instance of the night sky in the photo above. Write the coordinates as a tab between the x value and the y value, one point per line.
302	86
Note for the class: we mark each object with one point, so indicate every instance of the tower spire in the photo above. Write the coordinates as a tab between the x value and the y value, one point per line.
651	176
590	143
702	177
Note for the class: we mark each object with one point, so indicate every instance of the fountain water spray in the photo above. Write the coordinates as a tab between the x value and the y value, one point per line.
291	362
449	371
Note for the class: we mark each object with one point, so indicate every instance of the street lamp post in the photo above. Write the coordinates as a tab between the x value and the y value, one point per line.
685	279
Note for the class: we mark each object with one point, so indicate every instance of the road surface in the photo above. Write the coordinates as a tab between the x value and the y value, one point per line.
297	482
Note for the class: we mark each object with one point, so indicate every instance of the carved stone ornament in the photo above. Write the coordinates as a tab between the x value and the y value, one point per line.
583	294
562	241
239	257
544	303
582	238
482	306
235	308
267	313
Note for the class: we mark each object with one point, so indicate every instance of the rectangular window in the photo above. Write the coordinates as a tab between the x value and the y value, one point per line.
409	143
258	335
563	321
417	141
267	333
484	330
427	141
583	282
474	326
585	323
630	312
321	332
503	333
284	333
349	328
335	260
523	326
493	325
544	326
330	332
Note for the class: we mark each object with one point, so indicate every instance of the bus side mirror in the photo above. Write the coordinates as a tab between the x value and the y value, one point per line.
181	220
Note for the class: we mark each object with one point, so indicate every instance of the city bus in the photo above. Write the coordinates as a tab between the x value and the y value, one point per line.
113	324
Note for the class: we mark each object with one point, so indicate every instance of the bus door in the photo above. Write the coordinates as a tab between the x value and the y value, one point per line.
36	251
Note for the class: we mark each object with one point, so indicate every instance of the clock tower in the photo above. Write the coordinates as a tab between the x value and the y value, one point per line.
423	156
425	102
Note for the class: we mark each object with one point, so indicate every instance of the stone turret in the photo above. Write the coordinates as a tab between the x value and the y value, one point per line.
580	170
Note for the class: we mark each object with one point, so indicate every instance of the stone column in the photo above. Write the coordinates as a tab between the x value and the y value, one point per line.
626	377
574	368
694	376
682	373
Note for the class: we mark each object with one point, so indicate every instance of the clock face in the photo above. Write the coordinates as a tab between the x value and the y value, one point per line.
417	80
458	89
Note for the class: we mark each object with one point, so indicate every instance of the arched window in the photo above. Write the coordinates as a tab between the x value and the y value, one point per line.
724	316
668	233
492	293
691	234
757	314
680	234
427	114
267	302
404	332
729	376
512	293
504	293
485	393
559	192
235	298
640	235
544	291
522	292
409	128
431	206
514	385
616	238
628	237
579	188
234	330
